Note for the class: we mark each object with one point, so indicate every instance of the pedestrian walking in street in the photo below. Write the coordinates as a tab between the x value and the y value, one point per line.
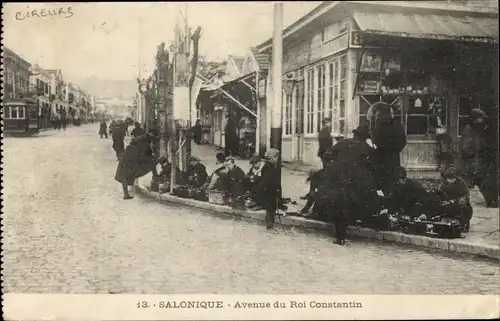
137	161
271	185
137	131
325	139
231	139
103	129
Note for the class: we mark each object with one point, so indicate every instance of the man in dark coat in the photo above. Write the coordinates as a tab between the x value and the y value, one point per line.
455	197
137	131
325	139
118	133
389	137
196	174
235	179
137	161
103	129
348	189
271	185
231	140
479	157
197	132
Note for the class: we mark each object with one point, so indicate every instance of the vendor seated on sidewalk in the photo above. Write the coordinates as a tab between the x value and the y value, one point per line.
253	181
196	174
314	180
409	198
216	180
235	179
165	173
455	197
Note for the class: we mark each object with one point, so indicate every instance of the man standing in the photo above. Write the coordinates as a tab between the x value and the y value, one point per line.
231	140
271	185
325	139
103	129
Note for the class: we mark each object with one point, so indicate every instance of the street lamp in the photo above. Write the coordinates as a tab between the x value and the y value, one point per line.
289	83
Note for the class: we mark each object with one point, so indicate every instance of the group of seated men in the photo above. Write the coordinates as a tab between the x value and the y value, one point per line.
227	177
409	199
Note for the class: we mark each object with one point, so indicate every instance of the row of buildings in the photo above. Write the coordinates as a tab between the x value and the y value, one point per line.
429	59
55	95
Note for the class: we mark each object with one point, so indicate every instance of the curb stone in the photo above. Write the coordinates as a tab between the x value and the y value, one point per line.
448	245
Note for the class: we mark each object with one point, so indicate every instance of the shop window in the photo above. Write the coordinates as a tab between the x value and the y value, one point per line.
287	100
310	102
299	108
320	112
342	117
425	113
332	95
342	94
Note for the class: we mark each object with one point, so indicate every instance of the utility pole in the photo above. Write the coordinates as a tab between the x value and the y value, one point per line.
172	126
276	74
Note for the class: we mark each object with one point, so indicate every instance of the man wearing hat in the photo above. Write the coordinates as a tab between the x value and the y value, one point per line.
325	139
196	174
271	185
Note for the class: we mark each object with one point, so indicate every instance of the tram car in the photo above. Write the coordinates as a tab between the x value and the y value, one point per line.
21	116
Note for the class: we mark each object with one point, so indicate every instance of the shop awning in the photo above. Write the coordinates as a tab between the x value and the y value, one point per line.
429	26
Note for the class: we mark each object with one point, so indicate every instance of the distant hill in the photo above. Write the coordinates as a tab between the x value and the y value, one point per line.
121	89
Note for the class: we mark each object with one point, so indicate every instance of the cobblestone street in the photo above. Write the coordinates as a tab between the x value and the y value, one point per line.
68	230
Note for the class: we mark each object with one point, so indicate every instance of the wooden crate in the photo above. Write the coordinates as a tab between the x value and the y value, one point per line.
216	197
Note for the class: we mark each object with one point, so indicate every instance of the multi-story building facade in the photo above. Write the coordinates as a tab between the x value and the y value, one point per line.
41	84
16	74
58	90
427	59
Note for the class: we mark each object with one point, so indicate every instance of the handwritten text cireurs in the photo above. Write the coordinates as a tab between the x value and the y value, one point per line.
42	13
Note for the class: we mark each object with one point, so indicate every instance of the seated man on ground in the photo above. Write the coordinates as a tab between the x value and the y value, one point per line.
408	198
216	180
314	180
455	198
253	181
196	175
165	173
235	180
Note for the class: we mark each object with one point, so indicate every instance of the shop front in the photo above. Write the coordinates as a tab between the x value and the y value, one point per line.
431	82
237	101
432	63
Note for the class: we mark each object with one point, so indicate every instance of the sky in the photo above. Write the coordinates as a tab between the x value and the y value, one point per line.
102	39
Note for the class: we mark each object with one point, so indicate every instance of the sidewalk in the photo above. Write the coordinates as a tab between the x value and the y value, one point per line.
483	238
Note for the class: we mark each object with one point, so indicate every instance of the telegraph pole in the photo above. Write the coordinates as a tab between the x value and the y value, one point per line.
276	74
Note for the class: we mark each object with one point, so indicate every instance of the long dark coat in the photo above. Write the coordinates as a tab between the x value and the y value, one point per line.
348	186
325	141
270	186
197	175
103	128
390	138
136	162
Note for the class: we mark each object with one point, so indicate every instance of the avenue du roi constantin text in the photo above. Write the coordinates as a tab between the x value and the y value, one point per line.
248	305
